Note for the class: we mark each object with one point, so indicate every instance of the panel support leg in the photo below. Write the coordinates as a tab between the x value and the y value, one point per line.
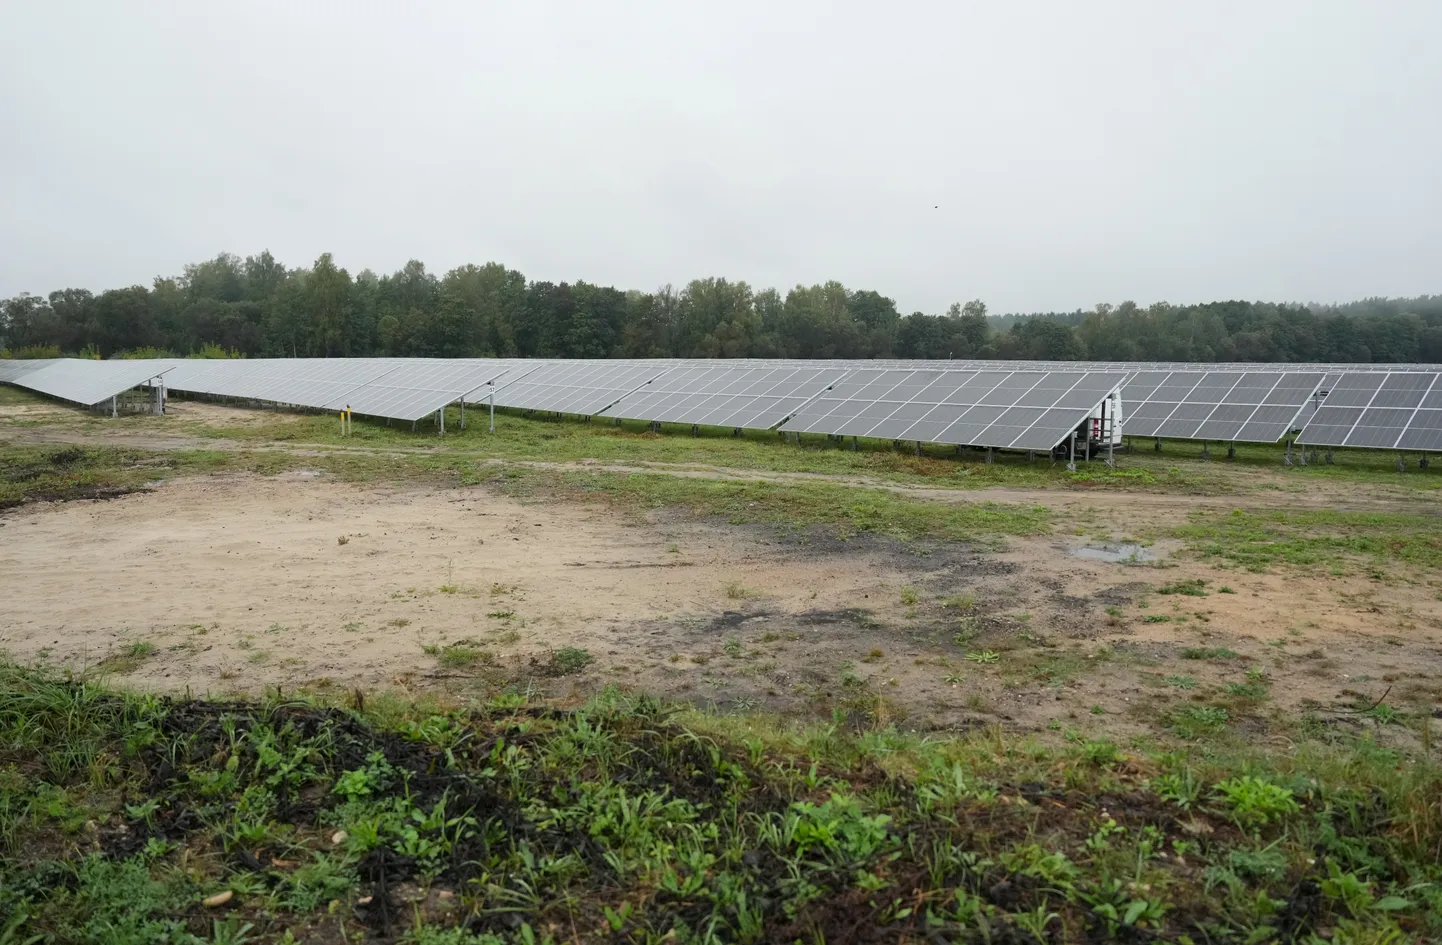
1071	453
1401	463
1287	456
1423	463
493	411
990	456
853	444
1332	459
1231	450
1205	453
463	413
1111	453
918	447
1158	447
114	407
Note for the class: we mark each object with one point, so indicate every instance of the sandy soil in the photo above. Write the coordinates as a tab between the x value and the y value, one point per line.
297	581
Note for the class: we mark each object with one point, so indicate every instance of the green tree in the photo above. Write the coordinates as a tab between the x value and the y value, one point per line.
327	297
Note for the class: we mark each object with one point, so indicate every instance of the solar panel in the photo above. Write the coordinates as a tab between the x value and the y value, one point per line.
1249	406
1379	411
417	387
726	395
92	382
197	375
304	382
580	387
11	370
1004	409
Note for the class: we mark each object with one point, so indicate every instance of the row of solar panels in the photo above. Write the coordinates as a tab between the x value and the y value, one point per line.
1021	405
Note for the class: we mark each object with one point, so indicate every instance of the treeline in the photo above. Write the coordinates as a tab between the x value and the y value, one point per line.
257	307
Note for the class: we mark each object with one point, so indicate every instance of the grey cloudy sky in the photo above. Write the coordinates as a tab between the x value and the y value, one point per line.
1038	155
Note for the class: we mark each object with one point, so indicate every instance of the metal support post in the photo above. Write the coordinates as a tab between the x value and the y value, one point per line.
1331	459
1231	450
1031	456
114	407
918	447
463	413
1424	462
990	456
1401	463
493	410
853	444
1158	447
1071	453
1111	452
441	420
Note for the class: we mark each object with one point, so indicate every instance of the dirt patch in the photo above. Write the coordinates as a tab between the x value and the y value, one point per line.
234	583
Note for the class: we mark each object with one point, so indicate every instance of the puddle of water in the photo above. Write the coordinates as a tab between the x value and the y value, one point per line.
1118	554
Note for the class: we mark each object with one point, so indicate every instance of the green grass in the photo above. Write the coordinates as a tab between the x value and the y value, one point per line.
121	814
459	655
1259	540
31	473
791	505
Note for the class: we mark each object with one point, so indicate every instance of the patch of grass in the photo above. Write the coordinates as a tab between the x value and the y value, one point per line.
1314	538
127	659
1194	587
1208	653
1193	721
794	506
909	596
649	811
960	602
460	654
1181	682
567	661
735	590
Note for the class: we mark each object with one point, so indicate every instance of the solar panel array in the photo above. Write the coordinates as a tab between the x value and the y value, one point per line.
1397	410
1019	405
91	382
1003	409
420	387
1252	406
712	394
12	371
585	388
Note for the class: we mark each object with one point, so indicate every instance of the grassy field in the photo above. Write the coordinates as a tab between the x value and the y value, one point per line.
131	819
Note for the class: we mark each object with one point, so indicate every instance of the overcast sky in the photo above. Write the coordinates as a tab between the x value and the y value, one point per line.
1042	155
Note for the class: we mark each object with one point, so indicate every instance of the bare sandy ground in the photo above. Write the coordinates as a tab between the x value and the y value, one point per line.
240	583
247	582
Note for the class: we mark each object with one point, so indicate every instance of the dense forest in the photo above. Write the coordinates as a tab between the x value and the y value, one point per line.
257	307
